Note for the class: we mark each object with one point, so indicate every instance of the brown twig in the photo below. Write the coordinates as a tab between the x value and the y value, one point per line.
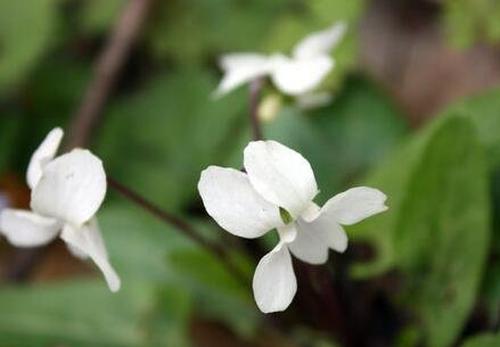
107	69
181	225
254	98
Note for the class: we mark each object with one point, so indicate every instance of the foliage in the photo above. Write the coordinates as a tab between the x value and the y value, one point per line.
486	340
470	20
18	56
160	128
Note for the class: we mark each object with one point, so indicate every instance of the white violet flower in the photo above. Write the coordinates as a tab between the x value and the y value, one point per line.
277	192
297	75
66	193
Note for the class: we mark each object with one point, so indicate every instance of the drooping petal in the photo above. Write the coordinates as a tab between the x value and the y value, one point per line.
354	205
72	187
316	237
321	42
287	233
309	245
27	229
240	68
274	282
43	154
87	239
300	76
281	175
233	203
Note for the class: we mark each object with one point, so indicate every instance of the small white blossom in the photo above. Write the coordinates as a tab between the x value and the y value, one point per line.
248	205
299	74
66	193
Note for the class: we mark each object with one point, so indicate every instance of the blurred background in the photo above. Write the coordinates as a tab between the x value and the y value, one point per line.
414	113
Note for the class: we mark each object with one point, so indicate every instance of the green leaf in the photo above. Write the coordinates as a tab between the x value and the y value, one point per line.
470	21
444	231
437	228
188	31
78	313
483	111
148	310
218	295
25	34
160	139
98	16
485	340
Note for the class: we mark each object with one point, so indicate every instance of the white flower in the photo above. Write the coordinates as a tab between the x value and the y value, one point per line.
297	75
66	193
250	204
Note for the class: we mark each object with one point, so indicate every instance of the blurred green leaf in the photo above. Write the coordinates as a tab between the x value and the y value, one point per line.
160	139
217	294
470	21
444	231
98	16
148	310
79	313
188	31
485	340
437	228
26	29
484	111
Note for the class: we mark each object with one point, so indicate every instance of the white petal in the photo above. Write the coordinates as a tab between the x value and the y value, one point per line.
240	68
274	282
76	252
316	237
234	204
287	233
88	240
43	154
281	175
309	245
300	76
26	229
355	204
72	187
321	42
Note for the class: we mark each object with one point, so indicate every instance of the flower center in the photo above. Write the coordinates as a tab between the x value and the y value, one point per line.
286	217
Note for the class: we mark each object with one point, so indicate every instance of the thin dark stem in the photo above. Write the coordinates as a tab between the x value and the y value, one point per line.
182	226
255	91
107	70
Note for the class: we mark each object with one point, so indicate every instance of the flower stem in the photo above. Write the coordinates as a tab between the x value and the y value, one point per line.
107	70
254	98
181	225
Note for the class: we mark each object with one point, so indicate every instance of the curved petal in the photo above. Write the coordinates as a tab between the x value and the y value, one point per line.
26	229
316	237
354	205
274	282
287	233
88	240
300	76
43	154
281	175
232	202
309	245
320	42
72	187
240	68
